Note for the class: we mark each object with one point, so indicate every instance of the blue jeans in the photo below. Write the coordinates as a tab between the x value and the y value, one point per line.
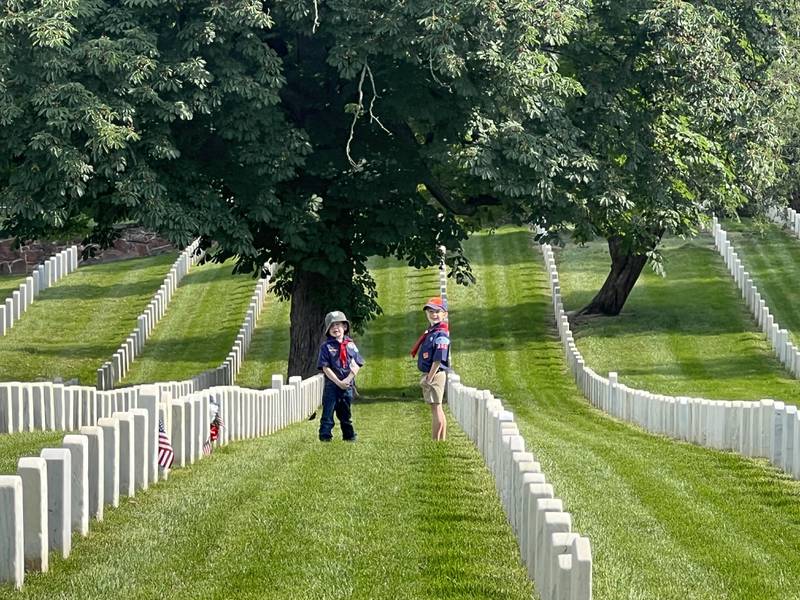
336	400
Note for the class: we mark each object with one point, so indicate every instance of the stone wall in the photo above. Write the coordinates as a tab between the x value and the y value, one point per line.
134	242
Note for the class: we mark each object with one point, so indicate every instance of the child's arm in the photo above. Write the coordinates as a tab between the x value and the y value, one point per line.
354	368
332	376
433	370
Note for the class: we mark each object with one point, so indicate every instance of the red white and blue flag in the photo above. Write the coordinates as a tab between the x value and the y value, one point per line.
166	455
213	434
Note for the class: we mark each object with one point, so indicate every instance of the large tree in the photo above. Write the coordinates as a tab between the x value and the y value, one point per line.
311	134
679	113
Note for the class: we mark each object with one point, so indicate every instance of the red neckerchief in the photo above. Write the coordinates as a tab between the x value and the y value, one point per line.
441	325
343	352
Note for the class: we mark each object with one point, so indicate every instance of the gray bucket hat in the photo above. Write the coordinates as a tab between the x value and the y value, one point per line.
333	317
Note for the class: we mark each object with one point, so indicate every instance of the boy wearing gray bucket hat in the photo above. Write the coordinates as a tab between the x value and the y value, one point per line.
340	361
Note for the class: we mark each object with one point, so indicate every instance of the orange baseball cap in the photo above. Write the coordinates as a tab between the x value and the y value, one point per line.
435	303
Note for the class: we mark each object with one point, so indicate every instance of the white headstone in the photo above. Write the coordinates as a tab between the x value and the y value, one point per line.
33	472
78	445
127	480
59	499
94	434
12	544
110	429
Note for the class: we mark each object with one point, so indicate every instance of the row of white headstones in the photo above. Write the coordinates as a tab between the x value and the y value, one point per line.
115	452
558	560
761	428
97	471
42	277
115	369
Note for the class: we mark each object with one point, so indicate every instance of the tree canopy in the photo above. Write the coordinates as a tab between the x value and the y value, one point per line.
679	113
316	134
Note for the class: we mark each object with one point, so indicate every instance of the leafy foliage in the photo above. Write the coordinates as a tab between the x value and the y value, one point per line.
678	113
309	134
315	134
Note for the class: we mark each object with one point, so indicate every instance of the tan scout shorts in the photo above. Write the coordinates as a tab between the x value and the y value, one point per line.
433	393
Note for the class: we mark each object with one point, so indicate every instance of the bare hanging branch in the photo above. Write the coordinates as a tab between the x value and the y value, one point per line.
372	115
356	114
359	110
433	73
316	17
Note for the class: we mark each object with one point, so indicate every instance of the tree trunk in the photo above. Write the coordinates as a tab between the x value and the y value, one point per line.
307	318
794	200
625	270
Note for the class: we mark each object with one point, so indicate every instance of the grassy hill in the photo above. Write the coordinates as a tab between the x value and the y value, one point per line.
77	324
666	520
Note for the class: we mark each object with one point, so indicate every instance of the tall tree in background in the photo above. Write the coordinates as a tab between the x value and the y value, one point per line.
679	115
311	134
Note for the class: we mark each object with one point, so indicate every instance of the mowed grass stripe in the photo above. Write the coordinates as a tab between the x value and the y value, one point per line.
686	334
772	256
390	370
74	326
666	519
9	284
28	443
269	348
392	516
199	327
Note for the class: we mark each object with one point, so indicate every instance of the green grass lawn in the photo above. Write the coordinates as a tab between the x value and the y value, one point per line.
686	334
667	520
397	516
772	256
76	325
393	516
269	346
285	517
28	443
9	284
199	327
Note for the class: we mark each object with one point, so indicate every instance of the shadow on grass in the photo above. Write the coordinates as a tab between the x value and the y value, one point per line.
473	321
83	291
405	395
173	350
101	352
702	367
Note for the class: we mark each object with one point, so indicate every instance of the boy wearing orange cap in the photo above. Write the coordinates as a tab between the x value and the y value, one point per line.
432	352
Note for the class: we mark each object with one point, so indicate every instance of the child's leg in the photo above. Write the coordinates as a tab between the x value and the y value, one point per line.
345	415
328	404
442	423
434	394
438	422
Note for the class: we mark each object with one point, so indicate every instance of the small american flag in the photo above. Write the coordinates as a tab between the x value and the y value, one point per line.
166	455
213	435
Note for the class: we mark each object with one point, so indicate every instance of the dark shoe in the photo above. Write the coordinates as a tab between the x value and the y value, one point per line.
325	439
352	440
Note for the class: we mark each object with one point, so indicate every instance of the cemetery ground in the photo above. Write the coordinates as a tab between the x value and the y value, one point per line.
772	256
396	516
198	327
392	516
77	324
666	519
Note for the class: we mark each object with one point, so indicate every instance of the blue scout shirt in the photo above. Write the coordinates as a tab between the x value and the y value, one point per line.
330	354
434	347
